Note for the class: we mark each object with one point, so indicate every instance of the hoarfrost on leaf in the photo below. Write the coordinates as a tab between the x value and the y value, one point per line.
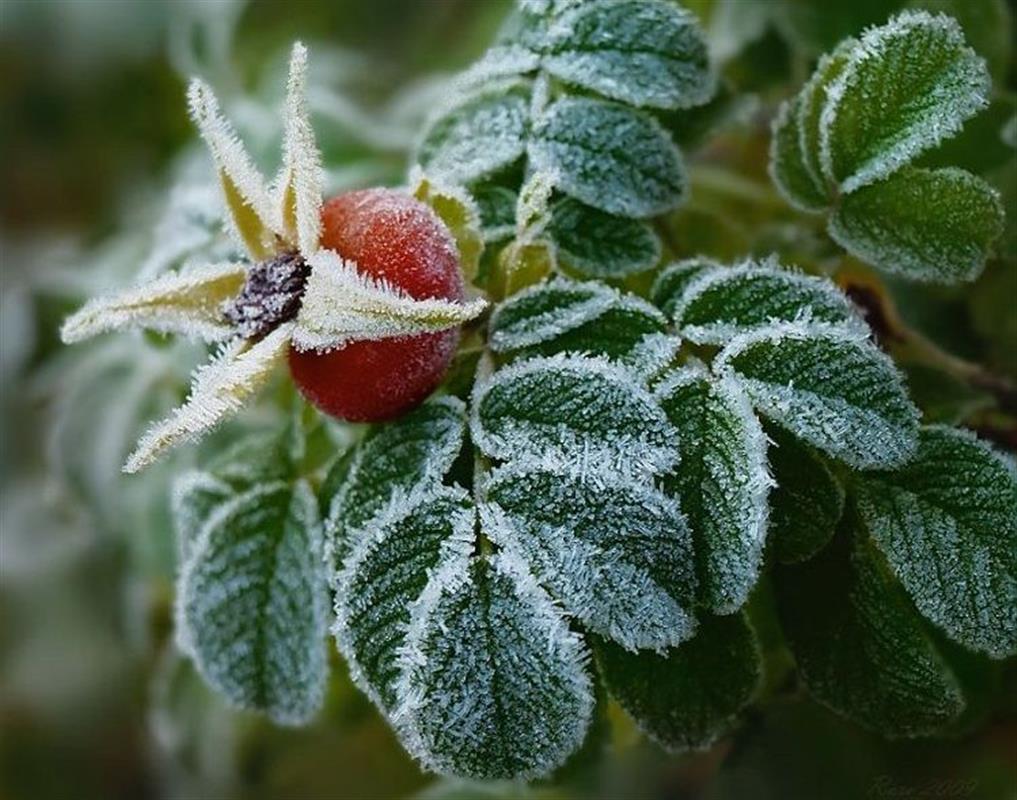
859	646
807	501
614	158
947	523
494	684
615	552
561	316
691	695
637	52
670	284
477	134
829	386
905	87
788	168
598	245
413	452
721	304
924	224
583	409
396	554
722	482
251	602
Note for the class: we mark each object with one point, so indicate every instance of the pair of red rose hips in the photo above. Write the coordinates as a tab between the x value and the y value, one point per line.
396	238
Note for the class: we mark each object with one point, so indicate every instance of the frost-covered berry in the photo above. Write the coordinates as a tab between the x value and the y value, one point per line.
394	238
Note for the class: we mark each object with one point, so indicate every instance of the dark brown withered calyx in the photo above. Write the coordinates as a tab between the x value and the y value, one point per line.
272	295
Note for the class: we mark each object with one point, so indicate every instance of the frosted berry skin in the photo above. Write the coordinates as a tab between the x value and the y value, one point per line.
394	237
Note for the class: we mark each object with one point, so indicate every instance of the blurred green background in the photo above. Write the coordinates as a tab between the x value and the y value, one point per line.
102	179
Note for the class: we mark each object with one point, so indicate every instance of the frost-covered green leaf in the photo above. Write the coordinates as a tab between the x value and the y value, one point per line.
598	245
859	647
788	169
563	316
690	696
637	52
721	480
385	575
196	495
497	208
830	387
907	86
416	450
572	407
807	501
477	134
613	158
812	101
947	523
495	685
722	304
929	225
251	602
615	552
670	284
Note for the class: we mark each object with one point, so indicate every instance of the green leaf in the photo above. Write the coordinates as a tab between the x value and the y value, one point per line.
788	169
477	134
251	602
724	303
859	646
721	480
807	502
670	284
637	52
598	245
610	157
196	495
497	207
947	523
387	573
811	102
929	225
927	81
415	451
690	696
615	552
565	407
830	387
495	685
988	25
563	316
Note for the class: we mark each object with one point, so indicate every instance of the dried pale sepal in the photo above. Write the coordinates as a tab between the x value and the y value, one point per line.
301	181
220	389
179	302
251	214
342	305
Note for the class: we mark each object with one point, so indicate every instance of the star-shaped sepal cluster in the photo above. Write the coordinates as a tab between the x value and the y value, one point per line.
291	292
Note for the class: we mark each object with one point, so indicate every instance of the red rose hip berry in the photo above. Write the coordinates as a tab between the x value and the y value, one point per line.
396	238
